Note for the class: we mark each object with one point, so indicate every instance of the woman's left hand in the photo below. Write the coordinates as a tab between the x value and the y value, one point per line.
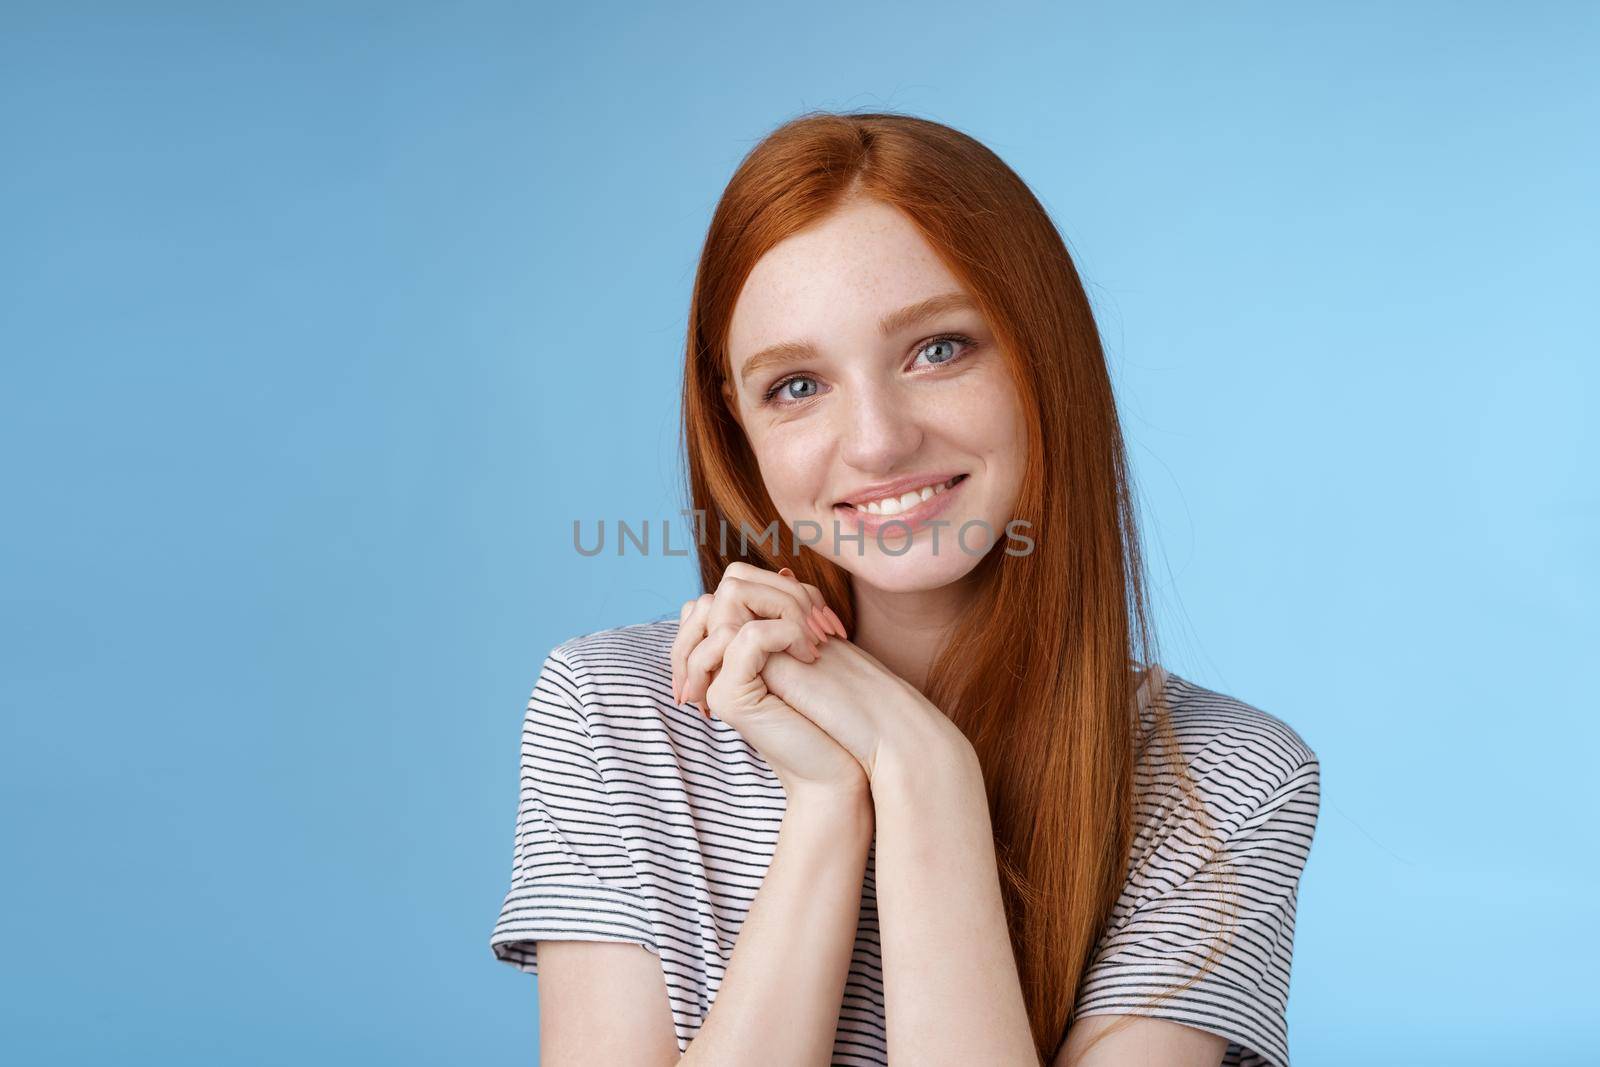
864	706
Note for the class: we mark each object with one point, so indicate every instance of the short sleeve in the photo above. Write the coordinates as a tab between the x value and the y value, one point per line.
571	875
1247	886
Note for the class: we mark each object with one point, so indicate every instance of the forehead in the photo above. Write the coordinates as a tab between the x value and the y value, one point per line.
835	280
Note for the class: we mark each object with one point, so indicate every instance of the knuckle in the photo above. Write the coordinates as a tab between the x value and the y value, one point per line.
760	628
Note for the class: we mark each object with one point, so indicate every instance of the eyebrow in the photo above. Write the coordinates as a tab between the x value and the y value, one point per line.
785	352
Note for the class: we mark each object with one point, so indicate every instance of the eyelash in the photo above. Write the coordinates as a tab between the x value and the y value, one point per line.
770	396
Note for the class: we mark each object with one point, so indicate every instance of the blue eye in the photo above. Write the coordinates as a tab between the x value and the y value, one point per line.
948	339
783	386
790	397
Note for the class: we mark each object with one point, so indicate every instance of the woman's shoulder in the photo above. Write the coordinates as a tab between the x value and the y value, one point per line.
639	648
1233	749
618	667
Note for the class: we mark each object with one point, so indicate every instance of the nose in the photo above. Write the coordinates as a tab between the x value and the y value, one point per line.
880	427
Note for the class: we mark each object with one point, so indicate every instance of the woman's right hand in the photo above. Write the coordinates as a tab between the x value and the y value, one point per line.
724	640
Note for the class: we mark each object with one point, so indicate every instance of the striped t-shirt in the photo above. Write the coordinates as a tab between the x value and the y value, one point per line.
641	821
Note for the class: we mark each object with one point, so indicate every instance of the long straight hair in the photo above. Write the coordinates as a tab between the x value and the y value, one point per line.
1039	672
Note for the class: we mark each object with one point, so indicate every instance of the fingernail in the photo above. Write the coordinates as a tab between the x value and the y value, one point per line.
837	622
786	572
820	625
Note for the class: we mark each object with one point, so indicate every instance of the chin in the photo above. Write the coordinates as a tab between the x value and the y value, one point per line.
915	572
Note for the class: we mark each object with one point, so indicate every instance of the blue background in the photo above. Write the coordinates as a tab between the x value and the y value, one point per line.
308	311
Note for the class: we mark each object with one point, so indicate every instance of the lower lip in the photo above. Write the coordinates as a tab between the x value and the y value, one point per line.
912	517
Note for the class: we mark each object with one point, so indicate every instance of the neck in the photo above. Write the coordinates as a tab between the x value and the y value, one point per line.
904	631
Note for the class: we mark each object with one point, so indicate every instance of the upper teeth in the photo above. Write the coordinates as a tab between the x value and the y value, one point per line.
894	505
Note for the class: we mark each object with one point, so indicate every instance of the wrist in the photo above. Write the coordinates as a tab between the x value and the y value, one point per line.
833	809
939	759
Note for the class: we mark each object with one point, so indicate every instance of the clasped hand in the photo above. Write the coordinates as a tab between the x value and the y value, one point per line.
766	655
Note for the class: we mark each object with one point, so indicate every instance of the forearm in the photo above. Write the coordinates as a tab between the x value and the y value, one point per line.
951	989
779	1001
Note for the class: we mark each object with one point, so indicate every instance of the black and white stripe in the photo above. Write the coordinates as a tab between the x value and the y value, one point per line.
642	822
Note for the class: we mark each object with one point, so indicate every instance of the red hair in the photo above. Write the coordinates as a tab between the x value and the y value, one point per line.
1038	673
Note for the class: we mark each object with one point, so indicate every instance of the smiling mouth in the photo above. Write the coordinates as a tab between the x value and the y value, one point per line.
902	502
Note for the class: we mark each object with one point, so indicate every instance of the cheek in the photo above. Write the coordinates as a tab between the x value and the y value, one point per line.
982	413
986	420
790	463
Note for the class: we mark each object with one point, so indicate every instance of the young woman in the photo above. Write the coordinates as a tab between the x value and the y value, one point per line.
916	790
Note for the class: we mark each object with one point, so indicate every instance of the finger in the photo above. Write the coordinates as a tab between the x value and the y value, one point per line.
709	655
826	618
736	601
705	660
672	653
746	655
681	643
782	579
833	617
739	600
691	630
812	593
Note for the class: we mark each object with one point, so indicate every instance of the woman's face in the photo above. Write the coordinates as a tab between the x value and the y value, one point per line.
862	372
